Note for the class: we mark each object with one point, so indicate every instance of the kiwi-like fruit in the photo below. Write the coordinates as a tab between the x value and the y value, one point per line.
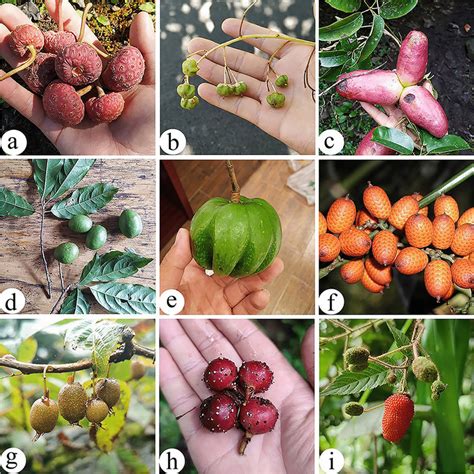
97	410
43	416
108	390
72	401
138	369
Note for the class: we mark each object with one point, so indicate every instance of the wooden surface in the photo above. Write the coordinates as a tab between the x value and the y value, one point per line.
293	291
20	261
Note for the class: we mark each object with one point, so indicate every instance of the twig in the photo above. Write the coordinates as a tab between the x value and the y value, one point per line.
235	197
61	296
45	263
244	15
61	276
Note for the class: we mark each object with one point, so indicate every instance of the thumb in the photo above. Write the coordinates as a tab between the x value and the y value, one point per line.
142	36
175	262
307	354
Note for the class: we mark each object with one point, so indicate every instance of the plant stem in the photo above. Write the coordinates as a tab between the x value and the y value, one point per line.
43	257
60	15
235	197
61	296
83	22
324	272
23	65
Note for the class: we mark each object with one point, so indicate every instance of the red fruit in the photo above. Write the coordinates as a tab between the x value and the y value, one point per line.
255	377
218	413
446	205
364	219
438	279
352	272
40	73
443	232
419	231
341	215
462	271
419	197
411	260
323	227
376	201
354	242
384	247
220	374
125	70
378	273
402	210
63	104
412	58
463	242
258	416
371	285
106	108
367	147
78	64
23	36
55	41
399	410
329	247
467	217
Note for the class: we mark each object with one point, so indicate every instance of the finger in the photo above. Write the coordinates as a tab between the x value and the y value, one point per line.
253	303
12	16
175	262
5	51
241	287
307	354
142	36
380	117
245	63
179	394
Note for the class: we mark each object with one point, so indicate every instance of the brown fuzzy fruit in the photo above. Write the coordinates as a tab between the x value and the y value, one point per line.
55	41
40	74
43	416
96	410
23	36
78	64
105	109
72	401
108	390
125	70
63	104
138	369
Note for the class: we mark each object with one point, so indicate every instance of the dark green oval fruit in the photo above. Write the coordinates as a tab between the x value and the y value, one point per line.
72	401
96	237
130	223
96	410
357	355
66	252
43	416
353	409
236	239
80	224
108	390
138	369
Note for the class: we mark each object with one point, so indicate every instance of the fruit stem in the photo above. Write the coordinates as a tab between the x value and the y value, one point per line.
84	90
64	292
24	65
245	441
235	197
100	91
99	51
43	257
45	387
83	22
61	277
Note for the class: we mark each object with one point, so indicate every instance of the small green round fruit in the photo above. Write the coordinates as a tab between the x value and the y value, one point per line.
96	237
189	104
80	224
130	223
66	252
240	88
357	355
276	100
190	67
186	91
224	90
282	80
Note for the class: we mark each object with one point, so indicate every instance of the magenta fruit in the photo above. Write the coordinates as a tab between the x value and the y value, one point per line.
106	108
55	41
220	374
78	64
63	104
23	36
258	416
255	377
218	413
125	70
41	73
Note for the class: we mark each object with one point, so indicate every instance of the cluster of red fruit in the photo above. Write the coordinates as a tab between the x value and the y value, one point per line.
57	62
383	236
235	405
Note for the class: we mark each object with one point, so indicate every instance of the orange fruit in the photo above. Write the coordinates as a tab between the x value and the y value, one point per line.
352	272
354	242
438	279
371	285
446	205
341	215
463	242
384	247
462	271
329	247
323	227
419	231
419	197
402	210
380	274
443	231
376	201
411	260
450	293
364	219
467	217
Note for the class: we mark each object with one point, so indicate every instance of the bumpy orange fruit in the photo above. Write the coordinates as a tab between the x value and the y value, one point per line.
446	205
376	201
402	210
329	247
467	217
365	219
463	242
384	247
419	231
411	260
462	271
419	197
341	215
354	242
371	285
443	231
323	227
352	272
381	274
438	279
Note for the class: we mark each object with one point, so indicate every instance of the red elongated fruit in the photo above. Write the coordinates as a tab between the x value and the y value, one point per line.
376	201
341	215
382	275
438	279
384	247
411	260
352	272
323	227
368	148
354	242
463	242
446	205
329	247
255	377
399	411
419	231
462	271
424	110
402	210
443	232
375	86
412	58
220	374
218	413
258	416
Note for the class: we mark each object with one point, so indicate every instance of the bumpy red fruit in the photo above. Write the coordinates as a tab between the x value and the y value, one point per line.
370	285
255	377
105	109
218	413
258	416
402	210
55	41
354	242
352	272
467	217
23	36
411	260
341	215
382	275
63	104
323	227
376	202
438	279
446	205
329	247
419	231
443	232
125	70
399	410
463	242
78	64
462	271
220	374
40	73
384	247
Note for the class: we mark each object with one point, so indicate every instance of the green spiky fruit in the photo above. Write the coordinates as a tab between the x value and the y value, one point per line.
72	401
108	390
96	410
353	409
43	416
424	369
357	355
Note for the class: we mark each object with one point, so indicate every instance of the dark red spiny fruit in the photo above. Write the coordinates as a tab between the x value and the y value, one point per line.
23	36
220	374
78	64
398	413
63	104
40	73
55	41
258	416
106	108
125	70
255	377
218	413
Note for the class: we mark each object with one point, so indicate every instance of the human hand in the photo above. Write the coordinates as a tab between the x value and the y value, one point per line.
188	346
132	133
205	294
294	124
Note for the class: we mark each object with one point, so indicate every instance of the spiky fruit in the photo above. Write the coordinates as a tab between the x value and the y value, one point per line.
356	355
323	227
23	36
55	41
443	231
62	104
78	64
138	369
105	109
467	217
353	409
399	410
379	273
43	416
419	231
419	197
411	260
220	374
376	201
384	247
255	377
463	241
125	70
341	215
424	369
404	208
462	271
370	285
365	219
40	73
218	413
108	390
96	410
72	401
438	279
446	205
354	242
258	416
329	247
352	272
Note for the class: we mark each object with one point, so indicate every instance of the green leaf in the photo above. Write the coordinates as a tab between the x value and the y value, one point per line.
27	350
447	144
394	139
333	58
75	303
125	298
45	175
374	38
103	20
85	200
400	339
70	174
346	6
341	28
112	266
148	7
391	9
13	205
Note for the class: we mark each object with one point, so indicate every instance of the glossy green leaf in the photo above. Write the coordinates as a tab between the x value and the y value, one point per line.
400	338
125	298
346	6
447	144
71	173
333	58
394	139
75	303
13	205
86	200
341	28
390	9
374	38
45	174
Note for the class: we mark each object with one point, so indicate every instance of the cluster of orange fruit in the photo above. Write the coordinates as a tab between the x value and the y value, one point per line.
382	236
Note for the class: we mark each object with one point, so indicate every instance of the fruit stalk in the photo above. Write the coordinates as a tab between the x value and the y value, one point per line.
235	197
43	257
23	65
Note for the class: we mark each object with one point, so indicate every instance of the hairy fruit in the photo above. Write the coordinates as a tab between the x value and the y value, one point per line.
424	369
96	410
353	409
108	390
125	70
72	401
399	410
44	415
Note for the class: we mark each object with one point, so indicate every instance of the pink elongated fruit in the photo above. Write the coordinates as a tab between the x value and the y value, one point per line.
368	147
412	58
375	87
424	110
